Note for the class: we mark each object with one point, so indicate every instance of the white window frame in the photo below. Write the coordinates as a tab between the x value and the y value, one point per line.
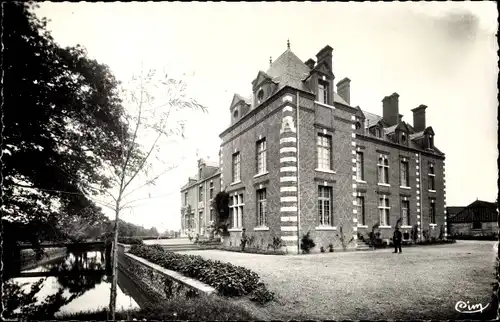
360	203
325	217
323	87
405	173
383	170
261	156
324	151
360	173
200	193
236	208
405	210
432	177
384	210
211	192
236	167
262	207
432	211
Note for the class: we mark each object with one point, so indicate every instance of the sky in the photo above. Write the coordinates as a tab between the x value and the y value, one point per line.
441	54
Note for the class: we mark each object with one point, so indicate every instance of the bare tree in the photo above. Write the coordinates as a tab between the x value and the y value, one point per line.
150	123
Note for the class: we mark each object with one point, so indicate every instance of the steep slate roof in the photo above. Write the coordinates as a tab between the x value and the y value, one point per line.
479	210
371	119
289	70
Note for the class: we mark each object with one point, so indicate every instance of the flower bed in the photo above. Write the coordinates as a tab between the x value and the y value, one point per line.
252	250
227	279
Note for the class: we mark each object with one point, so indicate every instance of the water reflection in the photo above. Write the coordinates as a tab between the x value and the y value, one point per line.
79	282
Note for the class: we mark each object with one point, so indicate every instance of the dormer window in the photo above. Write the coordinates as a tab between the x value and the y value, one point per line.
235	114
358	125
378	132
260	96
323	91
403	138
431	141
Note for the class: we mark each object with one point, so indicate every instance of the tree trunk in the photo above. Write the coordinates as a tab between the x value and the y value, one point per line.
114	263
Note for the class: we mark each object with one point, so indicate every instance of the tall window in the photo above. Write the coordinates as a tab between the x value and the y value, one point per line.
360	201
323	92
383	170
378	132
405	212
199	174
324	147
236	167
383	209
212	214
200	193
432	177
261	156
432	211
405	174
324	205
236	209
360	175
185	198
211	191
261	207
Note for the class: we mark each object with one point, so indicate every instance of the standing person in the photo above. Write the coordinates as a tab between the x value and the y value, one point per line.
397	240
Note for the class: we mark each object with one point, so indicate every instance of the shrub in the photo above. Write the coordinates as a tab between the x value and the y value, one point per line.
227	279
277	243
330	248
414	233
262	295
307	243
130	240
322	249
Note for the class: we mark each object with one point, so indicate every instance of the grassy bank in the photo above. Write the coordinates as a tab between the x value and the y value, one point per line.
201	308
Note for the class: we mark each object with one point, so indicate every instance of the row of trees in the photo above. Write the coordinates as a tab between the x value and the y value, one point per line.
75	139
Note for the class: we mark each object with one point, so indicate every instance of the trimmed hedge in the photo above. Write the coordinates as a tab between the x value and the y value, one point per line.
482	237
251	250
227	279
130	240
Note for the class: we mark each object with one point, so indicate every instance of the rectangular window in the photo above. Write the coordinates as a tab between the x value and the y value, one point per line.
185	198
200	193
360	175
432	211
324	205
236	167
383	208
476	225
383	170
323	92
405	174
405	212
211	190
212	214
432	177
236	210
360	201
261	207
261	156
324	147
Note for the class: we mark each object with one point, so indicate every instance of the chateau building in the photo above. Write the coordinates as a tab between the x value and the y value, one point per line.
197	194
297	158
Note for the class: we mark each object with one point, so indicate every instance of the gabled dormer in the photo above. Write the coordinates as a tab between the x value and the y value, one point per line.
377	130
360	120
321	77
239	107
401	133
428	138
263	87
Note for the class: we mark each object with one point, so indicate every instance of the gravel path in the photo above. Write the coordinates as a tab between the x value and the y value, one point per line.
422	283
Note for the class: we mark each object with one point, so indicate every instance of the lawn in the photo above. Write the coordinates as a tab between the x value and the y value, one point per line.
422	283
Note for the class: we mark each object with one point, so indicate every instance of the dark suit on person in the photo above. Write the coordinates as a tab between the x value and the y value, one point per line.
397	239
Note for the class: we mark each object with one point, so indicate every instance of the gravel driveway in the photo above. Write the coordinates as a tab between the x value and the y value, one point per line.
422	283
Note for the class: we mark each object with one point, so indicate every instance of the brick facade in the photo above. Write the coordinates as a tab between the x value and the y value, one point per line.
298	183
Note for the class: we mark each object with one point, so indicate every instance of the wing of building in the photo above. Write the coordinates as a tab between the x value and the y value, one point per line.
297	158
477	219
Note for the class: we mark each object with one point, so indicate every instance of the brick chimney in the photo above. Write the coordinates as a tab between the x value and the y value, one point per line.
310	63
325	56
419	118
390	109
344	89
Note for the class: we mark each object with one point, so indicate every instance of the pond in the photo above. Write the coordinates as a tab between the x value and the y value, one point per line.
82	278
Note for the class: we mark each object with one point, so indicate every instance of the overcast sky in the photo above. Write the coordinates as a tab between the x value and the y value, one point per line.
441	54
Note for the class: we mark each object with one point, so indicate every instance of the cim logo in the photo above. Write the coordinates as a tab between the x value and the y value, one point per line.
464	307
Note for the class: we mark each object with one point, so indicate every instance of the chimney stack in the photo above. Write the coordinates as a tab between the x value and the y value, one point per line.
310	63
419	118
325	56
344	89
390	109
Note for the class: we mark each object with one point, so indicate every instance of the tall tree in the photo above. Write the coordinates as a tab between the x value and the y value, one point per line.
158	106
62	125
